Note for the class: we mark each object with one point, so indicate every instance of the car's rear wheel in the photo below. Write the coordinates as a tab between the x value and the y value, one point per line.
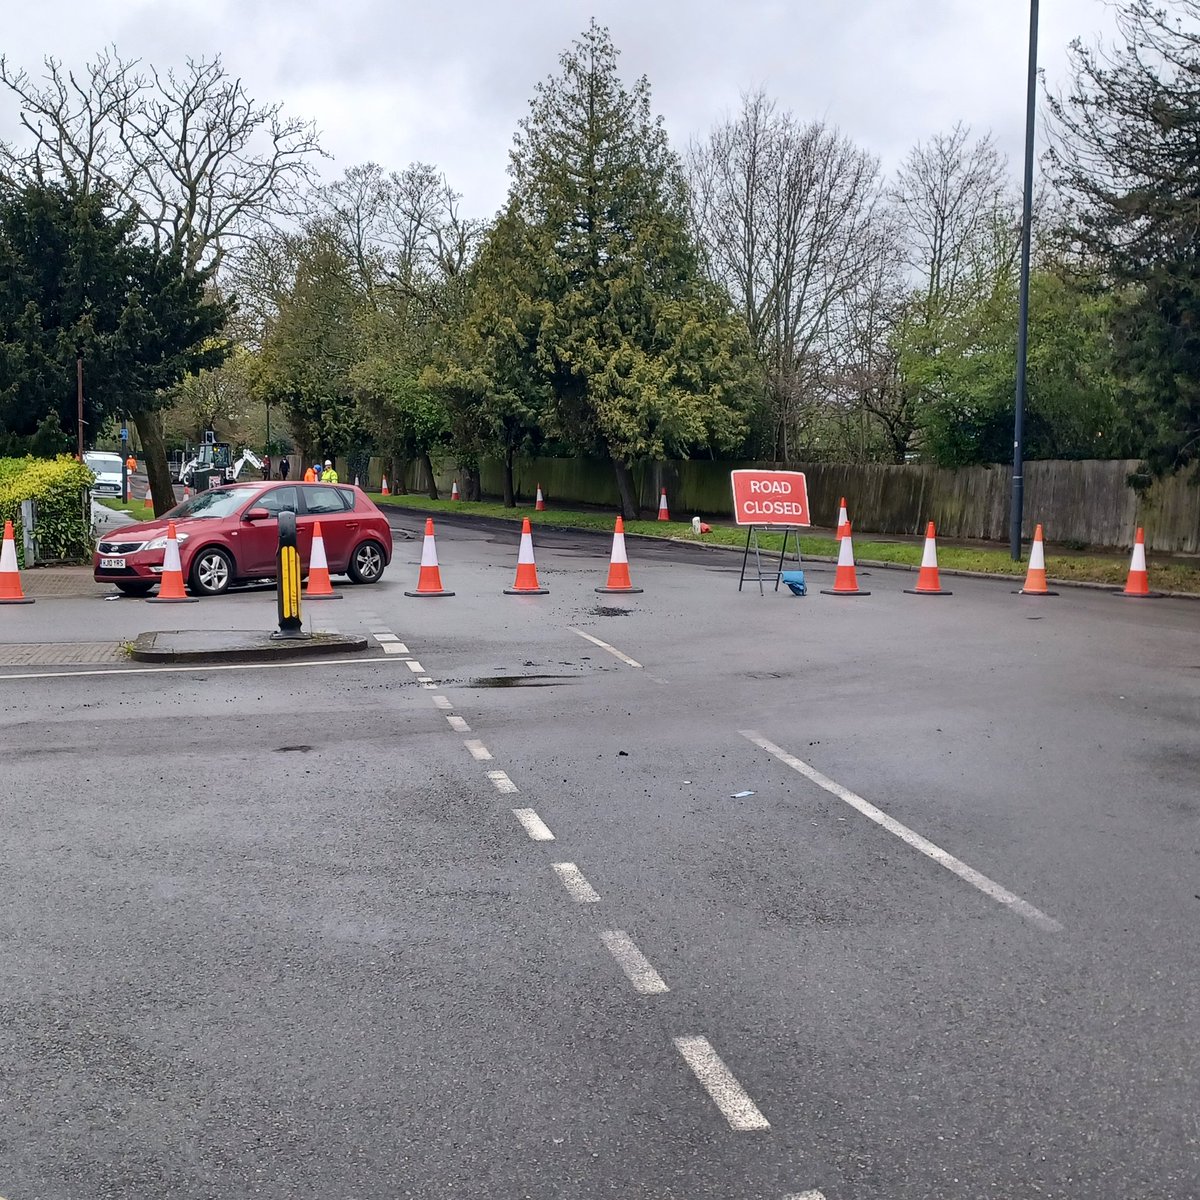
212	572
135	589
366	563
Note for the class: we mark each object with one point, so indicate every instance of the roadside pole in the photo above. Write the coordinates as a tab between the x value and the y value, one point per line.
287	581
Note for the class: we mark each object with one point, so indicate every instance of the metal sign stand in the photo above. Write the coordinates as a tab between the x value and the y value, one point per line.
752	542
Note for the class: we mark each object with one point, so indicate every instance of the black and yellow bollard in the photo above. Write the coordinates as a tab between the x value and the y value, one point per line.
287	580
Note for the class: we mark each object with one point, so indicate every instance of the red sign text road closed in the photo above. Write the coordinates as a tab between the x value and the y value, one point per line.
770	497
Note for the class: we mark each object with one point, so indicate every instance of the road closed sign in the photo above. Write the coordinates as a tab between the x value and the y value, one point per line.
770	497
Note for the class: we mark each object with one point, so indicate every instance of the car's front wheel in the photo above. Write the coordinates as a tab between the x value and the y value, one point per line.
366	563
212	572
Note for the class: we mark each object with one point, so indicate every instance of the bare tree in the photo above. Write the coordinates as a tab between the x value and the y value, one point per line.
203	165
784	214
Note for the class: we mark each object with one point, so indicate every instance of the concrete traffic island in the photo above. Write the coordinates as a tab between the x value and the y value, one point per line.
237	646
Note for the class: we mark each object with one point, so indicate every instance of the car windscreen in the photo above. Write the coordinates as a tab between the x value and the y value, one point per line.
223	502
102	464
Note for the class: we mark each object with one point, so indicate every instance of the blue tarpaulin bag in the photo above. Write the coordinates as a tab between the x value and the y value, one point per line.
795	581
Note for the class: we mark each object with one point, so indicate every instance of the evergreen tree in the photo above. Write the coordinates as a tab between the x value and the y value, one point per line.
1128	151
597	296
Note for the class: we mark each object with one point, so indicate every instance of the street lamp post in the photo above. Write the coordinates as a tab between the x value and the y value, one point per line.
79	399
1018	479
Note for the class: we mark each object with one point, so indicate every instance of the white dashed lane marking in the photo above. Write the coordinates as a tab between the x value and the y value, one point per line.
976	879
502	782
537	829
633	662
634	963
385	637
415	667
814	1195
442	702
572	879
719	1082
478	750
458	724
392	648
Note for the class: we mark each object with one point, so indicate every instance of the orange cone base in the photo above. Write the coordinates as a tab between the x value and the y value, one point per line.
1141	595
322	596
18	600
429	594
172	600
612	591
1023	592
918	591
533	591
834	592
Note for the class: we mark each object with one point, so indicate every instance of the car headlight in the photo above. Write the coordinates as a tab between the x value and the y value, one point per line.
160	543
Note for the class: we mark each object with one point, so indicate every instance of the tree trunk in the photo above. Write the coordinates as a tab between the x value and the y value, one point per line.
149	427
472	484
629	501
428	465
510	500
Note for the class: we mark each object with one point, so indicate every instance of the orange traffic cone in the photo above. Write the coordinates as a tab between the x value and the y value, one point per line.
10	574
383	491
1137	585
429	581
187	492
356	483
845	580
453	495
170	586
527	581
663	514
318	586
540	503
928	582
843	521
148	499
1035	577
618	567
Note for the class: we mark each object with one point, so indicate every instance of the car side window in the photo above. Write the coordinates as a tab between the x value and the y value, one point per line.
277	500
318	499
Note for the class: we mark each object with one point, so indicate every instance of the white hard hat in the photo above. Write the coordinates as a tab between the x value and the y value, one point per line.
328	463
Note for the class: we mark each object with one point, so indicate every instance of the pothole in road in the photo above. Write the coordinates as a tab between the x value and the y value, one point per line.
508	681
601	610
292	749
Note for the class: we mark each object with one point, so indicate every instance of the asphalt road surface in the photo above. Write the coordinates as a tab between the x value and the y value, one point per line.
490	913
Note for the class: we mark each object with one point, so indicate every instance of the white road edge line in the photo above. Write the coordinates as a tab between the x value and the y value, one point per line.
645	979
718	1081
502	782
633	662
283	666
442	702
572	878
976	879
478	750
537	829
457	723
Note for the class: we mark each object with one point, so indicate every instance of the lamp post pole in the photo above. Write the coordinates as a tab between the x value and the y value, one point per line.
1018	478
79	400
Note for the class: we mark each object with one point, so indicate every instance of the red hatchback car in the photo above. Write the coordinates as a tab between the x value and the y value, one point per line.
230	534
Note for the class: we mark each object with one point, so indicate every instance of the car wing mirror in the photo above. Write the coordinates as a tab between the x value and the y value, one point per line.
256	514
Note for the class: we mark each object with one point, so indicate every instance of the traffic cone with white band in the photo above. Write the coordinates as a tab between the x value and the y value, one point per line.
454	491
539	504
318	585
1137	584
383	491
10	573
663	513
170	586
526	583
1035	577
429	581
618	567
928	582
845	579
843	521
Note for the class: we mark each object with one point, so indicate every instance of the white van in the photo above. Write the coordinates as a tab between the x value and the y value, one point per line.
107	470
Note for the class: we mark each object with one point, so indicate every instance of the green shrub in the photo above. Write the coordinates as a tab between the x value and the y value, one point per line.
64	518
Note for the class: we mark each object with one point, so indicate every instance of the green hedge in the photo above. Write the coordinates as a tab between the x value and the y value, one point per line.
64	518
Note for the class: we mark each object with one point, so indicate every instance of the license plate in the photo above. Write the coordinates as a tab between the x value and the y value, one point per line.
112	564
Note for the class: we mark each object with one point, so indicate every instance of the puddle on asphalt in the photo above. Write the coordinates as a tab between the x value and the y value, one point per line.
508	681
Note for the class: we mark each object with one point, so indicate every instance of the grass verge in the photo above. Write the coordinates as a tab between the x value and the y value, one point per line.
1164	576
135	508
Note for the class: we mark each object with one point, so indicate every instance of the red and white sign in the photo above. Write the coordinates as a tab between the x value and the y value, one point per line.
770	497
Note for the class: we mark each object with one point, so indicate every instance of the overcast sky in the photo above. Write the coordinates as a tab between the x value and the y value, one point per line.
446	83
